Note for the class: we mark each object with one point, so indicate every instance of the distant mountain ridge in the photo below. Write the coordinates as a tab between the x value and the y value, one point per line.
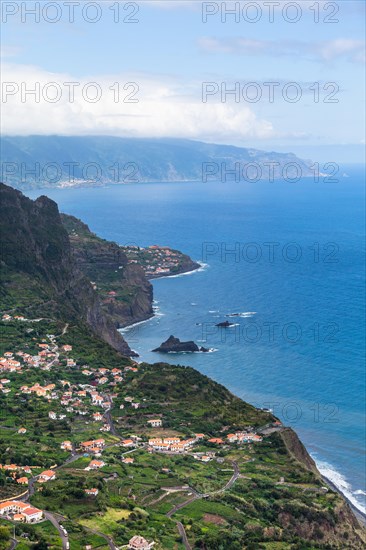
30	162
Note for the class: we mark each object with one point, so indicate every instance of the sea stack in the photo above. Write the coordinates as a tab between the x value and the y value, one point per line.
174	345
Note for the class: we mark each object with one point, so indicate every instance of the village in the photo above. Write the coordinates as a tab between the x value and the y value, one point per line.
159	261
90	402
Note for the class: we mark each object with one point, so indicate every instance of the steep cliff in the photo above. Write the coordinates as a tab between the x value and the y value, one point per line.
125	293
38	272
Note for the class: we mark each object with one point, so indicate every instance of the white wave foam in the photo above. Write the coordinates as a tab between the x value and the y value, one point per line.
243	314
156	313
126	329
338	479
202	267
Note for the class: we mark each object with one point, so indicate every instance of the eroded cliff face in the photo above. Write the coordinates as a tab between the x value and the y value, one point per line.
139	307
340	527
36	254
297	449
125	293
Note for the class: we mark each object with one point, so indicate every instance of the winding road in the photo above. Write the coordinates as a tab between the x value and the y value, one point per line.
197	496
56	524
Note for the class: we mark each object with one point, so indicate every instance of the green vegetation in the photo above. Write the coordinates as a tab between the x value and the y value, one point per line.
252	496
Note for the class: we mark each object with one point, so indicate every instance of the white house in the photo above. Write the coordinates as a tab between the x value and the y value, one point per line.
139	543
155	422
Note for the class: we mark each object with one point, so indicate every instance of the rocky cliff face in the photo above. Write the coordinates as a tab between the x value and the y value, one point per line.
342	525
125	293
36	254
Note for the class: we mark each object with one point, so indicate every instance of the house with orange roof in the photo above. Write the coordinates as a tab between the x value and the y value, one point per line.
93	444
128	460
155	441
202	458
22	431
6	317
216	440
95	465
22	481
32	514
10	467
91	492
47	475
171	440
96	398
20	511
127	443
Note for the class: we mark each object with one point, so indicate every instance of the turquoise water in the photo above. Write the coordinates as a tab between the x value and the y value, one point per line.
297	266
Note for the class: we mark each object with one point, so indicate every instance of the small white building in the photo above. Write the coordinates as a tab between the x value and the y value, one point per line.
155	422
139	543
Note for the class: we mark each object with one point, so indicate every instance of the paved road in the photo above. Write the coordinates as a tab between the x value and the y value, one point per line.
105	537
230	483
110	542
183	534
14	542
197	495
183	505
56	524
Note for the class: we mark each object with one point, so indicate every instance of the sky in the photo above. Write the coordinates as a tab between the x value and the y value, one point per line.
274	75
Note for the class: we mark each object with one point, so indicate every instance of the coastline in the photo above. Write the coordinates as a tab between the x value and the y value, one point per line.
359	514
201	267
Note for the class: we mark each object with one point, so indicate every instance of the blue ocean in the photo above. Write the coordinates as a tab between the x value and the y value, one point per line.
286	259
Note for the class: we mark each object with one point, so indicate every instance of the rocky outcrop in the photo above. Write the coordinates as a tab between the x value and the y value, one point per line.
225	324
36	254
174	345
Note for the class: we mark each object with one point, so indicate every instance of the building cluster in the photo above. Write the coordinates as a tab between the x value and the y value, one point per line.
243	437
172	444
155	260
17	510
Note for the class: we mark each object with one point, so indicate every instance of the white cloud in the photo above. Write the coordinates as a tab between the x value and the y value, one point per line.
353	50
331	50
165	107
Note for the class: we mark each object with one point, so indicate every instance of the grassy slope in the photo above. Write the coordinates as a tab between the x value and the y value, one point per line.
254	512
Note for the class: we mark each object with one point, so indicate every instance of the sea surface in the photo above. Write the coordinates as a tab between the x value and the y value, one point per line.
289	258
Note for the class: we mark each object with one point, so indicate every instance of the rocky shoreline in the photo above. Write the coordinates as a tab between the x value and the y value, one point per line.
360	516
